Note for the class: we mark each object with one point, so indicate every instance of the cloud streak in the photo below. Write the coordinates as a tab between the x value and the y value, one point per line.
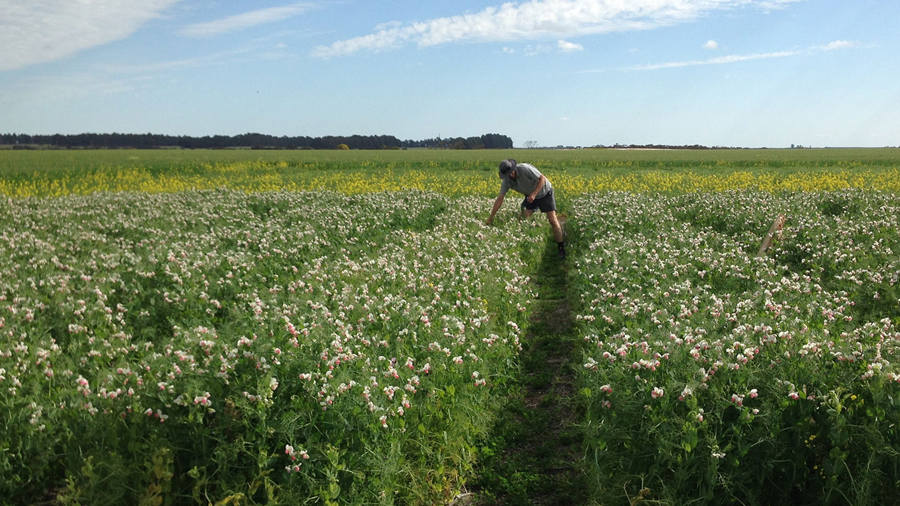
243	21
538	19
40	90
833	46
713	61
838	44
39	31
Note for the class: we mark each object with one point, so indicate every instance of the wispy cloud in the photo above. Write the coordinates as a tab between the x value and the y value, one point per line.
159	67
711	44
268	47
538	19
246	20
40	90
536	50
568	47
775	4
838	44
713	61
39	31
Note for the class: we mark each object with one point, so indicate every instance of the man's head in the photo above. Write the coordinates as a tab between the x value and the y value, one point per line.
507	167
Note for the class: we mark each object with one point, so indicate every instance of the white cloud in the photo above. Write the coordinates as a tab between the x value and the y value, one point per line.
711	44
538	19
776	4
245	20
39	31
838	44
713	61
568	47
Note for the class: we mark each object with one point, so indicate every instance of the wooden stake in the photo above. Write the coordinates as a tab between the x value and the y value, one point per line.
776	229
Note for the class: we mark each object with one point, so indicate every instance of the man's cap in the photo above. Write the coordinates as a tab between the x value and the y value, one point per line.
507	166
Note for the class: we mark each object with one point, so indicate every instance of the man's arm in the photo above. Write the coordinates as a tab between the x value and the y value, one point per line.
497	203
537	188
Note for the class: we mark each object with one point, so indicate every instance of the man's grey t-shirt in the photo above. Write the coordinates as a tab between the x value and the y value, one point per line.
525	182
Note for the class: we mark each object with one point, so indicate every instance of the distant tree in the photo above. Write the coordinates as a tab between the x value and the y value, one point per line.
248	140
496	141
530	144
343	146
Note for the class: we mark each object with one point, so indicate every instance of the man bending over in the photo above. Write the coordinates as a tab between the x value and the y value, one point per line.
527	180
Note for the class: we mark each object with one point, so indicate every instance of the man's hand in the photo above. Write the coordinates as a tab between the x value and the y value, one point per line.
540	184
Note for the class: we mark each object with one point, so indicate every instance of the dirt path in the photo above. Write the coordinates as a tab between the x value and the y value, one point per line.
533	456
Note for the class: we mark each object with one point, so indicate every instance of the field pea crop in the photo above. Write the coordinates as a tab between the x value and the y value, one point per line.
207	347
714	374
244	327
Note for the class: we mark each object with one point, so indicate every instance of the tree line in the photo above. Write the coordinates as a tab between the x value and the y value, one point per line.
486	141
659	146
248	140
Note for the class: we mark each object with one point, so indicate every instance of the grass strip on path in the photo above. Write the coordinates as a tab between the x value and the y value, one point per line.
534	454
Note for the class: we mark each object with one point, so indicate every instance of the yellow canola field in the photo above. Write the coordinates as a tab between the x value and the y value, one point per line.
684	182
261	177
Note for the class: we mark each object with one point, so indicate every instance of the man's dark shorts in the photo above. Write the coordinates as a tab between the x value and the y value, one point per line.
546	203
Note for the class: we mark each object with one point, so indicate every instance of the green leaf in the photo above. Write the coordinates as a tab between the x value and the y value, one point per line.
837	454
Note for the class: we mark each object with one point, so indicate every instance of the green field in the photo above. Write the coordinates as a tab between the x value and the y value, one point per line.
579	161
256	327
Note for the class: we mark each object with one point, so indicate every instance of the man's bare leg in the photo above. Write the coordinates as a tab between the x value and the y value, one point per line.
555	226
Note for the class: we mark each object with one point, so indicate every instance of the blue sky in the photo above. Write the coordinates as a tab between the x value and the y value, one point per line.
749	73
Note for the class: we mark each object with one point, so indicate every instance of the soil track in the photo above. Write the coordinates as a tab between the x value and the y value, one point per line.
534	454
